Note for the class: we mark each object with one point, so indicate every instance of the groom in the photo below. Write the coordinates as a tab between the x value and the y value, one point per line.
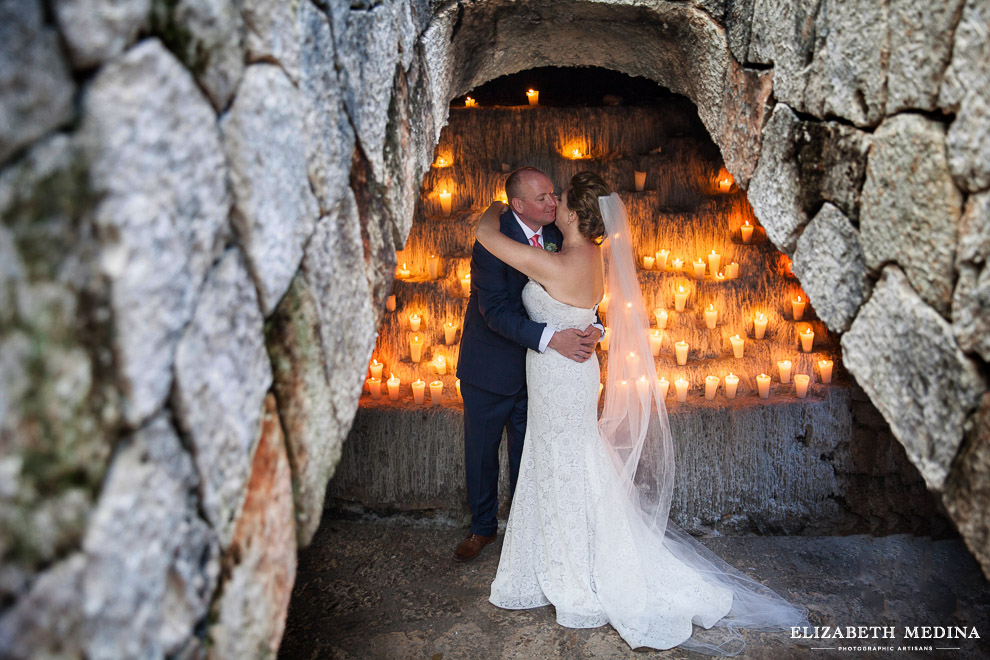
492	358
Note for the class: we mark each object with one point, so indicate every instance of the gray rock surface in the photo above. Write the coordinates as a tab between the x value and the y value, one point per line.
967	144
910	207
274	208
905	357
221	375
11	271
774	188
260	568
971	301
305	403
745	109
967	497
208	36
272	33
832	163
829	262
159	172
151	561
920	48
849	70
783	34
35	87
95	31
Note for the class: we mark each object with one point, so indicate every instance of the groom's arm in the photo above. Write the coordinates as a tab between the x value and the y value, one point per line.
489	276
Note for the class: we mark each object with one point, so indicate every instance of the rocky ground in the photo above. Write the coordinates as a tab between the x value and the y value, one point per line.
389	589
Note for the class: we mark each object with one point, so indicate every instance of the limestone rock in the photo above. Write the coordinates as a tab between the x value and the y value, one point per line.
905	357
970	67
274	207
971	301
849	71
260	568
968	142
910	207
330	142
96	31
159	172
304	396
745	107
783	34
773	190
152	562
273	33
738	28
221	375
829	262
832	160
208	36
920	47
35	87
11	272
967	491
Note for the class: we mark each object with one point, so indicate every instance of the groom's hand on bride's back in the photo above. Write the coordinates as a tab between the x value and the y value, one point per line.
578	345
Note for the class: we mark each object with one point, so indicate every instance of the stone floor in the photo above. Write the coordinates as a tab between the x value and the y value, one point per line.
370	589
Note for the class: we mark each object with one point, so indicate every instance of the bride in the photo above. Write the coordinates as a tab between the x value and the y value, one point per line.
588	529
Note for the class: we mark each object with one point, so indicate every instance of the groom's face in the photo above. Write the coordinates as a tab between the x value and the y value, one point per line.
536	205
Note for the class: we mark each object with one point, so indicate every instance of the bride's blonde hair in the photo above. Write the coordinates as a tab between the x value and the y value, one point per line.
582	197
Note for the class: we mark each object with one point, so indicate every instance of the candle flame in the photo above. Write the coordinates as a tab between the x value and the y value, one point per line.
404	266
746	224
576	153
444	192
470	102
530	92
680	289
711	307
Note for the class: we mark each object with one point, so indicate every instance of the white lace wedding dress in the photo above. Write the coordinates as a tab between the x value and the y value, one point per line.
570	540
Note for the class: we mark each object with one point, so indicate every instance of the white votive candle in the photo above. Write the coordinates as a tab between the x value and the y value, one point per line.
763	384
375	387
404	271
784	367
376	369
801	382
648	263
825	369
449	332
661	257
680	298
414	321
732	271
737	345
533	96
640	180
390	303
714	260
681	350
661	316
711	387
642	387
415	348
699	269
731	383
677	264
797	307
711	316
807	340
457	386
445	199
436	392
433	266
419	391
440	362
656	338
681	387
746	231
759	325
466	285
393	387
664	387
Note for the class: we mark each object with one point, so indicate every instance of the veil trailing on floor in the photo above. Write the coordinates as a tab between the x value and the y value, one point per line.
636	432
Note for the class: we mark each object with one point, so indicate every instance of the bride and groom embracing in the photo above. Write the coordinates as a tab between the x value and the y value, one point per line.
588	529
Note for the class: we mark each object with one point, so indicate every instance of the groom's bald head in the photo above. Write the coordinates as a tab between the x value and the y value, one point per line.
530	194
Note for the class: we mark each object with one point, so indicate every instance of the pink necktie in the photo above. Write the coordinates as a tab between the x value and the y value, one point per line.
534	240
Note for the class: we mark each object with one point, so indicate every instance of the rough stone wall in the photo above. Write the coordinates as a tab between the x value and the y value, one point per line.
199	209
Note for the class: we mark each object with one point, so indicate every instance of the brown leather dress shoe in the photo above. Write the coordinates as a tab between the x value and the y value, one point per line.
471	547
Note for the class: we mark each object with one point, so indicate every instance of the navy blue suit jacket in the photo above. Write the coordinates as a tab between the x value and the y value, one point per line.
497	331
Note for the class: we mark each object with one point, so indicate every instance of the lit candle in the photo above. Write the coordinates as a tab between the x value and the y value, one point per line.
648	263
390	303
436	392
445	198
375	387
681	387
825	369
662	259
604	342
714	259
449	332
711	316
640	179
725	184
393	387
603	305
441	162
404	271
680	297
711	387
763	383
632	362
601	387
661	315
457	386
681	350
737	345
533	96
759	325
677	264
797	307
656	338
376	369
642	387
807	339
731	383
575	153
440	362
433	266
746	231
470	102
415	348
732	271
466	285
719	277
419	391
699	269
414	321
801	382
664	387
784	367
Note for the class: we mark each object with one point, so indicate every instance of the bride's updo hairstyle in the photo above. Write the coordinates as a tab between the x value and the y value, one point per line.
582	198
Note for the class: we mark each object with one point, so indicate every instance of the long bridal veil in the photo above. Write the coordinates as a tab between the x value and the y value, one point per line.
636	432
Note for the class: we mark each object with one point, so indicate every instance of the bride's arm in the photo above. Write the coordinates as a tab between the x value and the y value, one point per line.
533	262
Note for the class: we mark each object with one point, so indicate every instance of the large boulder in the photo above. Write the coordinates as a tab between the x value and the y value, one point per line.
971	300
97	30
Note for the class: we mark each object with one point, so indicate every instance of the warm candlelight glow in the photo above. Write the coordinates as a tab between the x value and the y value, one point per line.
797	307
575	153
677	263
642	387
681	387
375	387
699	268
680	298
763	384
732	271
801	382
807	339
825	369
711	387
737	345
404	271
466	285
445	199
419	391
661	259
390	303
719	277
433	266
648	263
746	231
731	383
714	260
393	387
711	316
725	183
664	387
414	322
604	342
470	102
656	338
376	369
681	351
784	367
759	325
440	362
415	348
639	178
533	96
661	315
449	332
457	386
441	162
436	392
